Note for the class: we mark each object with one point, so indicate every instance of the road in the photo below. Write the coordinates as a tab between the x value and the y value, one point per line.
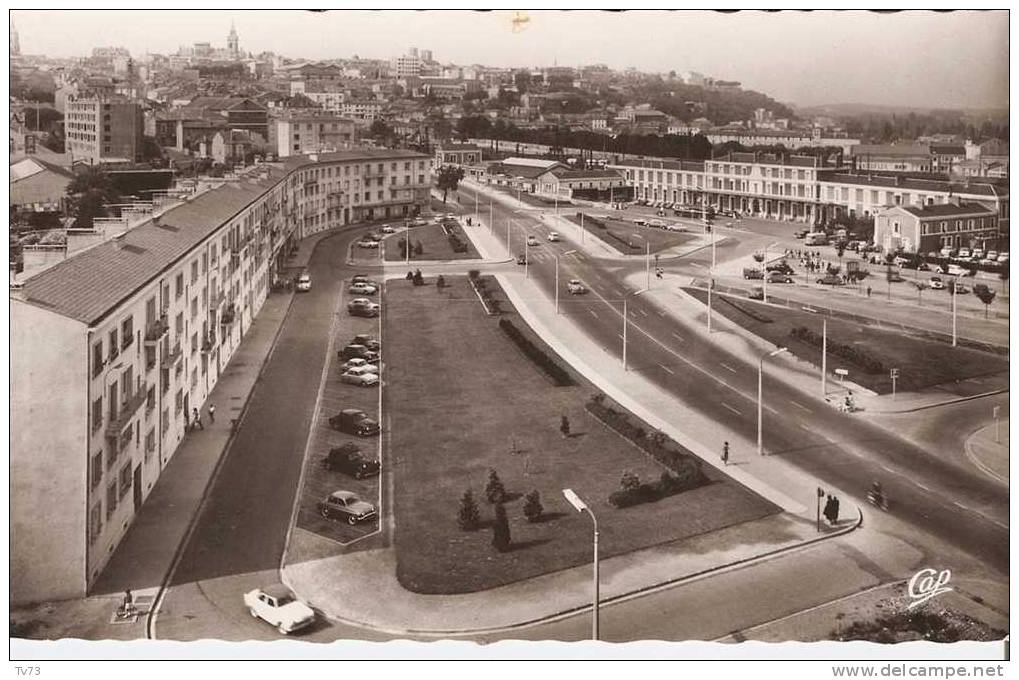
846	451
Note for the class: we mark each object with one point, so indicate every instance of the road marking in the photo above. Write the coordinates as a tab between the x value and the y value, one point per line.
925	488
731	408
592	313
679	337
642	312
960	505
667	369
728	367
799	405
803	425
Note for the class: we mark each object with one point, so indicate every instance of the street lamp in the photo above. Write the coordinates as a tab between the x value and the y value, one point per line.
760	383
581	506
711	278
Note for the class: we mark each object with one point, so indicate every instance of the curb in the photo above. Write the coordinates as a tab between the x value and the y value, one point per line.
968	446
615	599
956	400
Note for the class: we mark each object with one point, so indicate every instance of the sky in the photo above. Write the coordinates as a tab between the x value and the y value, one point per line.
915	58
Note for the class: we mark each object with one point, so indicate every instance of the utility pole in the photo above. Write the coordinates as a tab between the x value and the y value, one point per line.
894	374
626	320
557	285
997	424
491	214
824	357
582	232
955	340
647	265
764	268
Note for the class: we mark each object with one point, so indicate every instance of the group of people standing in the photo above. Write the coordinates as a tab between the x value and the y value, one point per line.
195	420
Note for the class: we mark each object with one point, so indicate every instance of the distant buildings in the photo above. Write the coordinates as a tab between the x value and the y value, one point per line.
929	228
103	130
303	133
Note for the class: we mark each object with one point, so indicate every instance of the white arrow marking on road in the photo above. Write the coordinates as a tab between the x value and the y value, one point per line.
728	367
731	408
592	313
667	369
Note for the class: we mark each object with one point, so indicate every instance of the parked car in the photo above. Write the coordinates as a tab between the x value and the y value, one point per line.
781	266
387	229
937	283
1003	257
304	283
948	251
521	259
361	378
756	293
657	224
964	254
355	351
749	273
575	287
367	243
992	255
358	362
533	241
354	421
956	270
802	233
977	254
347	506
366	340
363	307
831	280
675	227
348	459
552	236
361	278
779	277
277	606
362	289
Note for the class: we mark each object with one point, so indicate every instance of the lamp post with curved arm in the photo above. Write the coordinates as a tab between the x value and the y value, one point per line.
581	506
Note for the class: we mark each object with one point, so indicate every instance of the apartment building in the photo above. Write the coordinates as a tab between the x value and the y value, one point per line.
930	228
101	130
298	134
117	343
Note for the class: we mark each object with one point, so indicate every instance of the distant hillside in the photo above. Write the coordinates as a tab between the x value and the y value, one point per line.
855	109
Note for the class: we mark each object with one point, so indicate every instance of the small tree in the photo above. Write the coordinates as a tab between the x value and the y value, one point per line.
986	296
500	529
495	492
448	179
921	286
410	276
758	257
440	282
532	506
418	248
629	481
417	278
469	516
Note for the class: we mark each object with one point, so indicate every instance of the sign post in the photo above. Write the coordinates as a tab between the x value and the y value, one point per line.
997	425
894	373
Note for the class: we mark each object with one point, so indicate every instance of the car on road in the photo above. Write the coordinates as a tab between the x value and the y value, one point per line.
640	221
533	241
355	351
937	283
749	273
360	378
781	266
374	236
779	277
304	283
657	224
956	270
367	243
277	606
521	259
367	340
347	506
961	289
348	459
831	280
675	227
362	288
363	307
354	421
361	278
576	287
893	277
553	236
387	229
358	362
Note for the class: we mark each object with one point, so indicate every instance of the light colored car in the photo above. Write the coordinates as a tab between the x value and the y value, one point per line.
387	229
657	224
362	288
364	369
977	254
937	283
346	505
956	270
365	379
533	241
964	254
947	251
277	606
576	287
553	236
358	362
675	227
304	282
367	243
992	255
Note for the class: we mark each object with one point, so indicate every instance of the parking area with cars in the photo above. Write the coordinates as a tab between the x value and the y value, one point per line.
340	494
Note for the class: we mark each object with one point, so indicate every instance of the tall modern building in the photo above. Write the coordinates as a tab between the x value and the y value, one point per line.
119	342
103	130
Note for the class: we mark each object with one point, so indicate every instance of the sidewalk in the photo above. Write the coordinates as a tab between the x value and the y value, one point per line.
142	560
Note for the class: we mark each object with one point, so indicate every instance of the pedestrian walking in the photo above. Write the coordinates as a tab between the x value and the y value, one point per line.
834	509
868	291
828	506
564	426
725	453
212	414
198	419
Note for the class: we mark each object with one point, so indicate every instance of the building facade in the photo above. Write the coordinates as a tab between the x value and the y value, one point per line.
930	228
103	130
457	154
311	133
116	344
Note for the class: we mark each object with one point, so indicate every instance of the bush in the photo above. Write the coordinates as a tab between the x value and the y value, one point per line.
532	507
495	492
469	516
500	529
629	481
558	374
440	282
474	275
417	278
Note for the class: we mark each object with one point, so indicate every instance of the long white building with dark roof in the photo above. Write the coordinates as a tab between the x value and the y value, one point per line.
114	345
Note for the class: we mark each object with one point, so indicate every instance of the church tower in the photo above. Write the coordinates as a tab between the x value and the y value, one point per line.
15	43
232	43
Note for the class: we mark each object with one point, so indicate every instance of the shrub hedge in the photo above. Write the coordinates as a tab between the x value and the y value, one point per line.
850	353
560	375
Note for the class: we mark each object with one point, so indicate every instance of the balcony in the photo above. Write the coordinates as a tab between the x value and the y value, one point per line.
209	343
171	355
227	317
127	411
155	331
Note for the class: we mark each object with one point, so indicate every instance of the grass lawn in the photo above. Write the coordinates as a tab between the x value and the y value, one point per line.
626	232
921	362
434	242
462	399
